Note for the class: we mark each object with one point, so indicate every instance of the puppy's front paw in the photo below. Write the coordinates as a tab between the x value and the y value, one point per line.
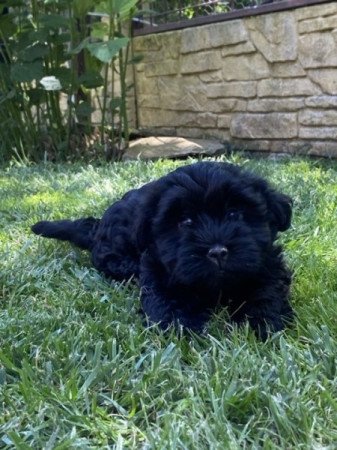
265	326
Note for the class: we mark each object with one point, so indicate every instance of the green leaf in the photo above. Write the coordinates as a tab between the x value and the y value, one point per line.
136	59
60	38
84	109
99	30
39	35
107	50
91	79
54	21
64	74
82	7
7	25
36	96
114	7
8	96
80	46
115	103
12	3
26	72
33	52
126	8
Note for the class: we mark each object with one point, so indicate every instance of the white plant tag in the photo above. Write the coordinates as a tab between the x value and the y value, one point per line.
51	83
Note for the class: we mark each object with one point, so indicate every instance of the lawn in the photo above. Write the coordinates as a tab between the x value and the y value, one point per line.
79	371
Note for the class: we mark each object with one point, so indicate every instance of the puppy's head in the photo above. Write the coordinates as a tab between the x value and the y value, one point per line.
211	223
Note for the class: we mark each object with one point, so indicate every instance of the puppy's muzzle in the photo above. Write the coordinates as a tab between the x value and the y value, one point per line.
218	255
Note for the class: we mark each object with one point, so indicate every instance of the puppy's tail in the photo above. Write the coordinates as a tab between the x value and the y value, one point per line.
79	232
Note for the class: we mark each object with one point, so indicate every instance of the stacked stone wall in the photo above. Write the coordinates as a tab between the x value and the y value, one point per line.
265	82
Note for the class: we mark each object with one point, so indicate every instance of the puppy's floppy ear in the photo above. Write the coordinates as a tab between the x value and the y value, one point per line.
143	222
279	206
280	210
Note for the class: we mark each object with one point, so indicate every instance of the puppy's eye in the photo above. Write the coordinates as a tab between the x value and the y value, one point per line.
186	223
233	214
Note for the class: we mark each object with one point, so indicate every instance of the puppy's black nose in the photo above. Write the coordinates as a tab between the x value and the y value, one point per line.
218	254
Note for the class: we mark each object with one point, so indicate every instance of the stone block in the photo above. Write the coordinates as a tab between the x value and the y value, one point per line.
149	101
282	87
224	121
238	49
245	67
325	78
255	145
186	132
322	148
244	89
212	36
170	44
216	133
211	77
195	102
318	50
226	105
150	42
140	67
163	68
202	120
149	117
287	70
275	36
264	126
170	118
275	105
314	117
322	101
318	24
201	62
146	85
315	11
318	133
186	103
185	94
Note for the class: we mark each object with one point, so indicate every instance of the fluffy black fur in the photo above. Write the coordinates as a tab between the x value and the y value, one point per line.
199	237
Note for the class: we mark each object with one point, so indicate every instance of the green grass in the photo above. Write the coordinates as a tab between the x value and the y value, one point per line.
79	371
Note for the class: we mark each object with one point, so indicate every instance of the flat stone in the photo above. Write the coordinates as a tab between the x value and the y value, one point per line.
275	104
245	67
321	118
264	126
225	105
287	70
214	76
275	36
326	79
147	86
170	44
321	148
238	49
281	87
171	147
212	36
322	101
146	43
244	89
315	11
224	121
201	62
317	24
163	68
318	50
306	147
318	133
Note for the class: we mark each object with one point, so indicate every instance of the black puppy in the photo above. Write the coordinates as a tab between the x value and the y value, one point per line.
198	237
